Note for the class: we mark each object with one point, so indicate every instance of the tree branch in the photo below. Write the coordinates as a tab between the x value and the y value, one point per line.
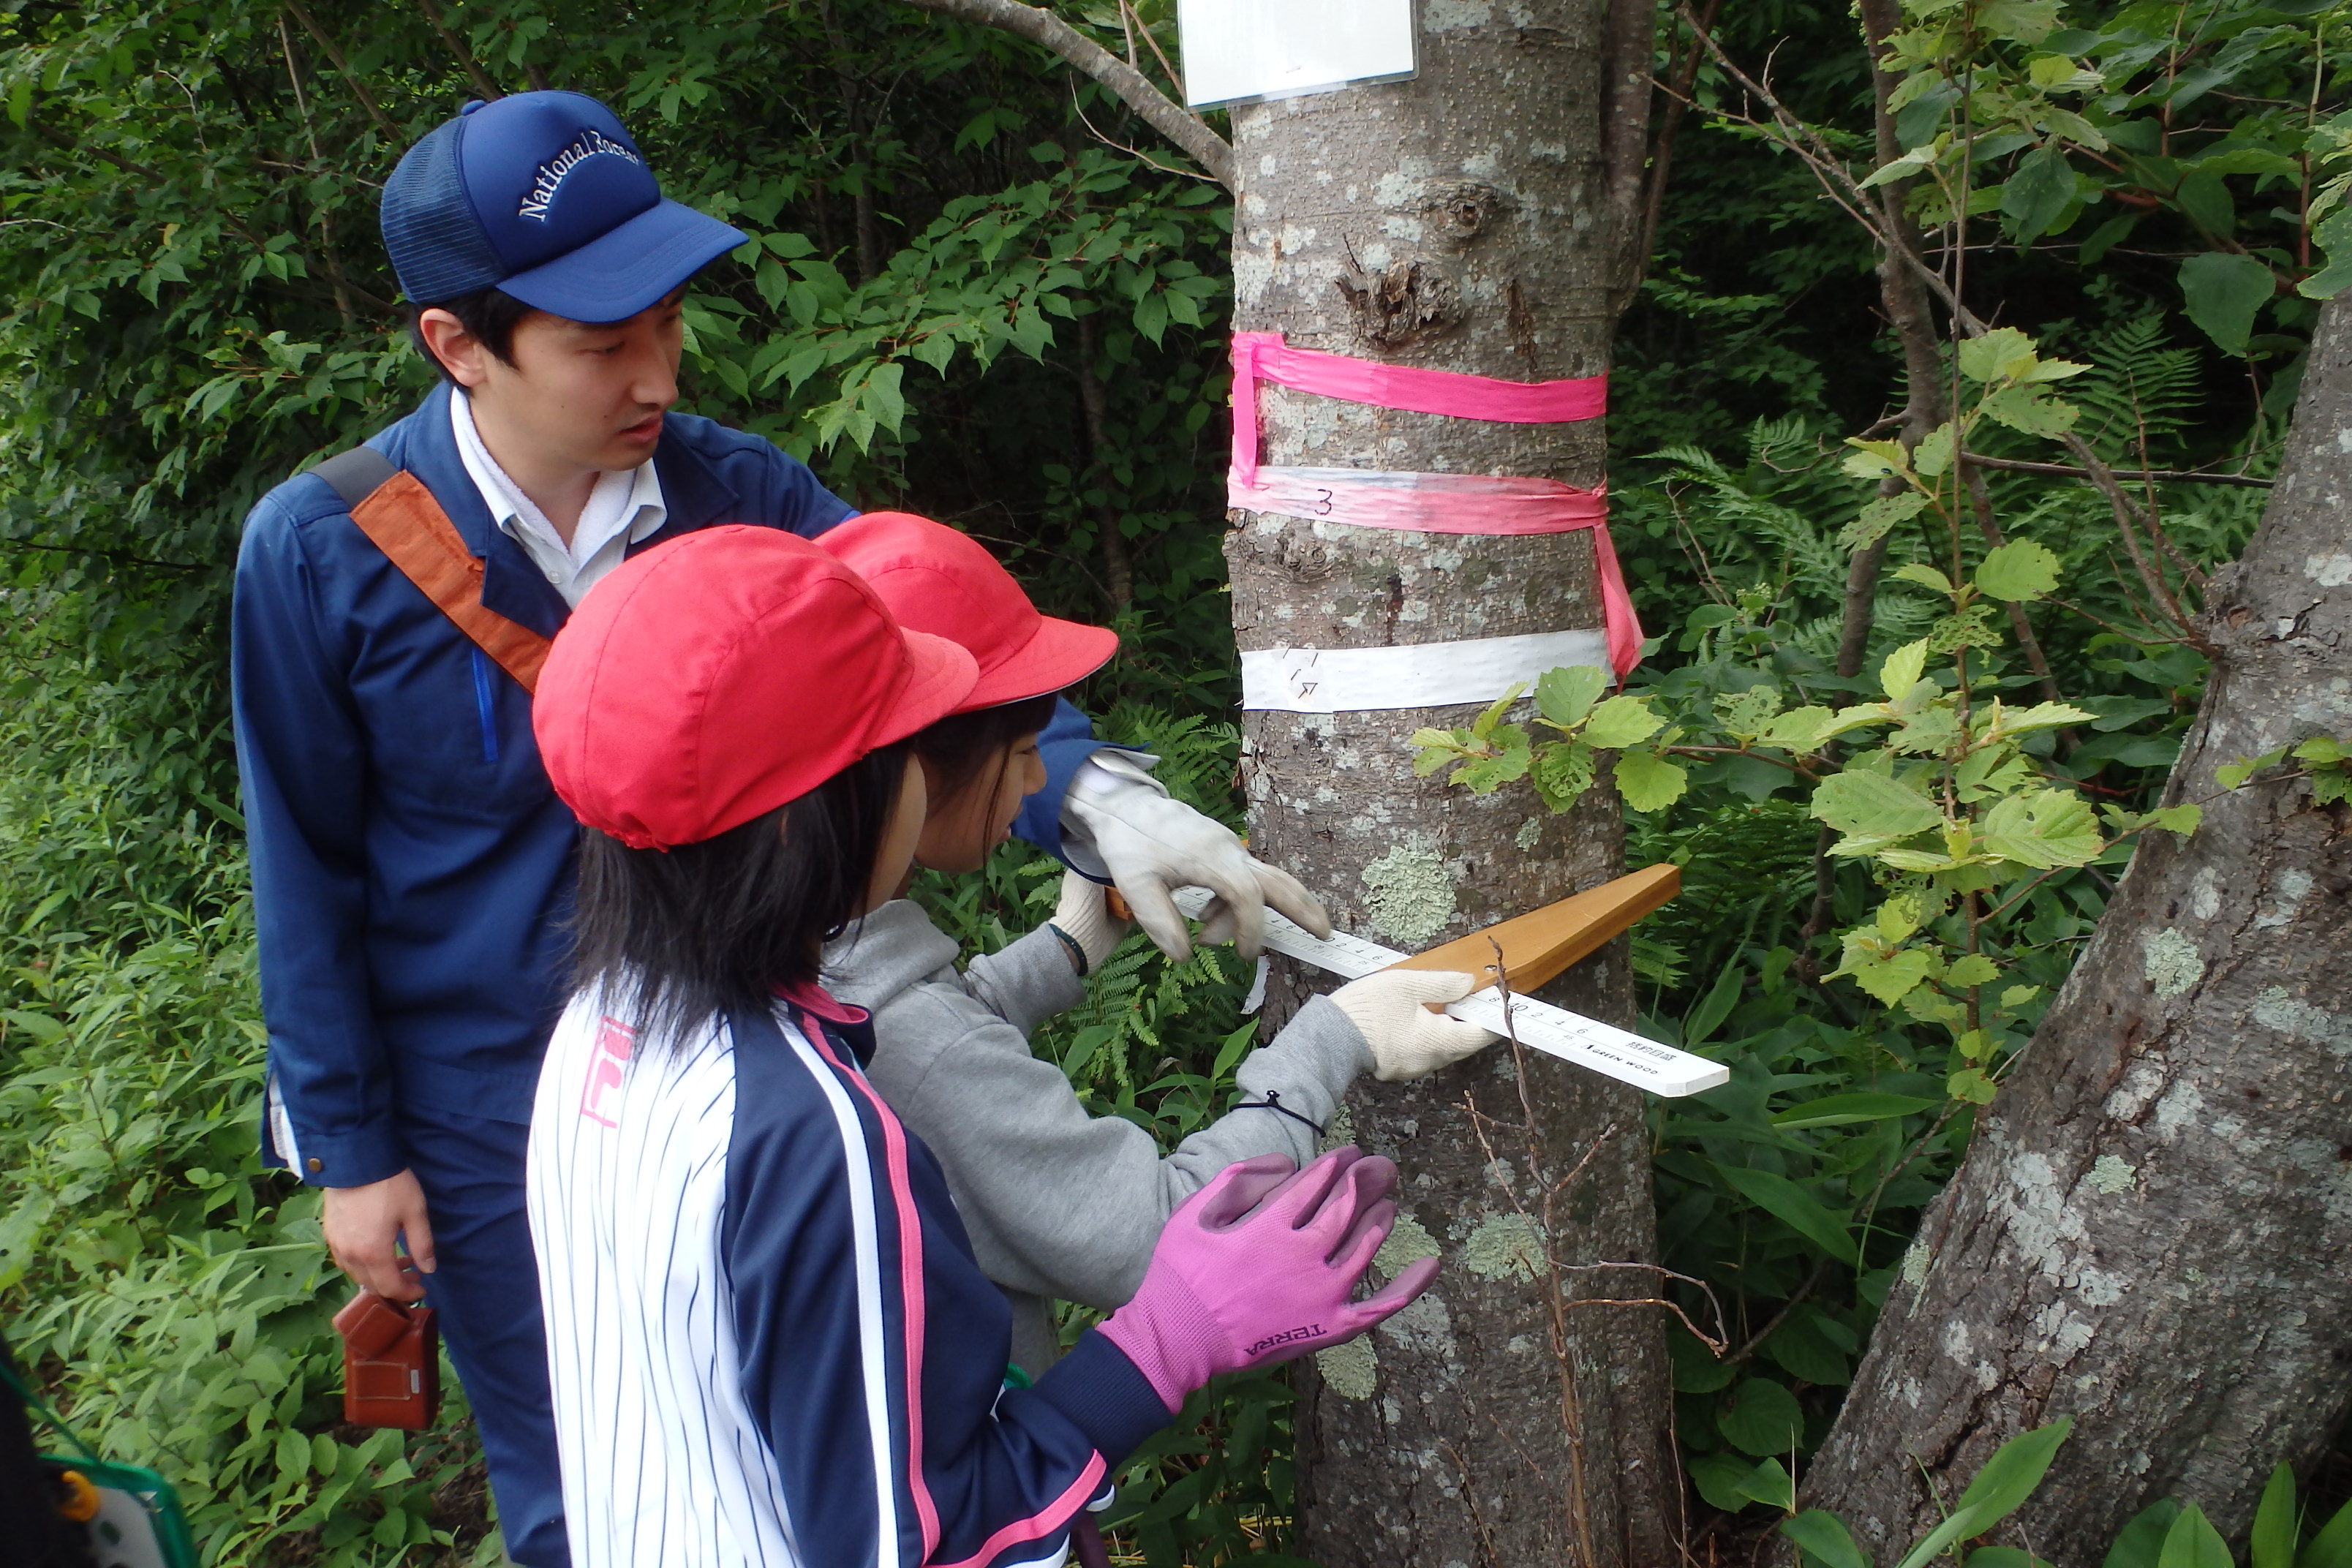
464	56
1661	152
2133	475
1172	120
301	13
1630	36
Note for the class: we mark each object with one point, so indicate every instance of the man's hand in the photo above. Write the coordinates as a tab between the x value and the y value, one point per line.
1152	844
363	1226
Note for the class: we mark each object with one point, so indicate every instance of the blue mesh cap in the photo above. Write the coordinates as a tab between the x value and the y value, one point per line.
544	196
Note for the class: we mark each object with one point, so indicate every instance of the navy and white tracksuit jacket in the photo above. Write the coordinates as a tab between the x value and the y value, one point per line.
768	1339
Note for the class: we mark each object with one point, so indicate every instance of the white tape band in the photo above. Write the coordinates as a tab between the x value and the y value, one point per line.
1422	675
1555	1031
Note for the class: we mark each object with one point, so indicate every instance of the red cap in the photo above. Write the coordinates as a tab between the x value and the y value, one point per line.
722	673
938	581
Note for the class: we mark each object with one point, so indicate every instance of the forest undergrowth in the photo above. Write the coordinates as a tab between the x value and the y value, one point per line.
958	300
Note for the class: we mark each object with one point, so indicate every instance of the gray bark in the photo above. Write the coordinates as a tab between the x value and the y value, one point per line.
2153	1229
1461	221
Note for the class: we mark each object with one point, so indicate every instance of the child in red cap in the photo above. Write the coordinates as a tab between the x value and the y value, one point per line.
767	1339
1060	1205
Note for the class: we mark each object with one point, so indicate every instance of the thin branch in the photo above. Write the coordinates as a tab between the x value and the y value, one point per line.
120	558
1157	52
464	56
1661	152
301	13
1137	153
2133	476
1132	88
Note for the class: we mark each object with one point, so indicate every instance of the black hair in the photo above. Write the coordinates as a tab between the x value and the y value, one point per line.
488	315
677	938
955	748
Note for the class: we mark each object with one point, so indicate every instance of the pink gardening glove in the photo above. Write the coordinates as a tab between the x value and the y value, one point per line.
1256	1268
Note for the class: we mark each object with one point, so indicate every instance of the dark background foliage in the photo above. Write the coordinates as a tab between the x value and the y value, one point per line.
969	294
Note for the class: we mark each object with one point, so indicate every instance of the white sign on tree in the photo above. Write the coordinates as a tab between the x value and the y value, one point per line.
1240	51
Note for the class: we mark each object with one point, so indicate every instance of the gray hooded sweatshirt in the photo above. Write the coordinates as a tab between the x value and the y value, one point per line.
1059	1204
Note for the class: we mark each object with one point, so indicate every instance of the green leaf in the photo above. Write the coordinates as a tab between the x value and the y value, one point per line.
1898	919
2015	1469
2140	1542
2018	573
1790	1203
1862	804
2276	1526
1879	514
2223	292
1810	1348
1486	775
1717	1477
2332	1547
2193	1543
1761	1418
1889	977
1901	670
1844	1109
2334	235
2025	21
1649	782
2233	775
1971	969
2025	409
1824	1539
1697	1370
40	1026
2044	827
1566	694
1563	770
1800	730
2183	819
1958	1527
1770	1484
2042	716
2042	187
1714	1007
1875	460
1619	722
1925	576
1933	455
2000	354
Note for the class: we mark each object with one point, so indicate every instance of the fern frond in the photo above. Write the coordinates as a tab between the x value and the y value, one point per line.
2136	388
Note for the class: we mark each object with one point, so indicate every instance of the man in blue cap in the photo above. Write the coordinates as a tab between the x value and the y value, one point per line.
412	867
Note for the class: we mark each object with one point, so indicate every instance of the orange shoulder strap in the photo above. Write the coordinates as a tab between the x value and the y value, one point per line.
408	525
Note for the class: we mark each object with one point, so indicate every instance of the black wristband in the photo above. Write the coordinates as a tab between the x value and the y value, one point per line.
1272	1102
1070	945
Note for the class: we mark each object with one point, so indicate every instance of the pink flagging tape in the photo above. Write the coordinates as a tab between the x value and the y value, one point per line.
1427	503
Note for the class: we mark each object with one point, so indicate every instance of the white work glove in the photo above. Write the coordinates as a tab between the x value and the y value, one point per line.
1408	1040
1118	815
1084	916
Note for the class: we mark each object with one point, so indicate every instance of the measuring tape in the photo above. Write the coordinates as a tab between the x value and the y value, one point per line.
1555	1031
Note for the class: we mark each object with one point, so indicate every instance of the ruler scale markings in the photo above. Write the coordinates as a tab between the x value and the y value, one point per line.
1555	1031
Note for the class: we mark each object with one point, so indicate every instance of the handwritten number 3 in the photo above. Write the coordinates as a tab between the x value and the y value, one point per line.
1323	507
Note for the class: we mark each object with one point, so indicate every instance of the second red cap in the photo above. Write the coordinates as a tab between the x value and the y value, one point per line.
721	675
938	581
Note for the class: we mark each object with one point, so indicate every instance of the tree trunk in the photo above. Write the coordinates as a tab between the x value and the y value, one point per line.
2152	1227
1458	221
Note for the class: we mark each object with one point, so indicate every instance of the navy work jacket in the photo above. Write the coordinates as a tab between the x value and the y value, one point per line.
413	869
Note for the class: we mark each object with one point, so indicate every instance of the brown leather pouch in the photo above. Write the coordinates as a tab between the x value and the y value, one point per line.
392	1363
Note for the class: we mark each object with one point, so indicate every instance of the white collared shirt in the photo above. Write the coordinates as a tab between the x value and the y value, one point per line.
625	506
